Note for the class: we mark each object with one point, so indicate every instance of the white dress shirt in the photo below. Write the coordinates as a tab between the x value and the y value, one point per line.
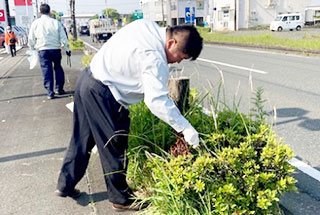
47	33
133	64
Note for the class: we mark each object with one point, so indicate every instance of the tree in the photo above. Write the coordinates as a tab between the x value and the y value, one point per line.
73	19
95	17
111	13
130	18
55	15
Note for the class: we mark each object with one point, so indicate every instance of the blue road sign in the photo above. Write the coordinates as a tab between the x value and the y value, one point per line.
190	14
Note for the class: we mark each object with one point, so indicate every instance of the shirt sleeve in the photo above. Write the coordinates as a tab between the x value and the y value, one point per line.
155	74
32	37
63	38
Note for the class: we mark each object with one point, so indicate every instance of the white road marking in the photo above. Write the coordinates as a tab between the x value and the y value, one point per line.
233	66
312	172
94	48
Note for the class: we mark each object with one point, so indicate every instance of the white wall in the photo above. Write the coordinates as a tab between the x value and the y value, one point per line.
250	13
224	17
262	12
152	9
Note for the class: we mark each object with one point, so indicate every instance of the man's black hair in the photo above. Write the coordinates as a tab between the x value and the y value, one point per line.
44	9
193	45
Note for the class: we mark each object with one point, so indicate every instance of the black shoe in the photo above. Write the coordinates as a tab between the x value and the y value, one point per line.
60	92
51	97
73	194
129	207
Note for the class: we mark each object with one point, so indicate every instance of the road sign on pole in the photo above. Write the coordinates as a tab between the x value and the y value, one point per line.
2	16
137	15
190	15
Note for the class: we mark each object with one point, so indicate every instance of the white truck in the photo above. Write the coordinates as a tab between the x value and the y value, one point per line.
101	30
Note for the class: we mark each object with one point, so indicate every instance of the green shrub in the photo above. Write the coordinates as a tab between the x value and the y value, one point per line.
239	168
76	45
86	60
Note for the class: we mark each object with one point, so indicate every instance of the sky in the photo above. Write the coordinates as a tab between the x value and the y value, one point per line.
91	6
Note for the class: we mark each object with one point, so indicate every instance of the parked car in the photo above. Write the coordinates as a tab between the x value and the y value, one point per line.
288	21
2	35
84	29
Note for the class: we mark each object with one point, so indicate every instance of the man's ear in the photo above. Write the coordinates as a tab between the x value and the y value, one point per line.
170	43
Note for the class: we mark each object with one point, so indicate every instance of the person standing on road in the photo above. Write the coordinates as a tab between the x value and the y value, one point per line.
47	35
11	40
131	66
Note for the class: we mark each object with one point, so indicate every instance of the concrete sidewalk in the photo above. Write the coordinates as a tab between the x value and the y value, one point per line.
34	135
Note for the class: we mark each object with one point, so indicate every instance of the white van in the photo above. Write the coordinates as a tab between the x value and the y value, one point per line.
288	21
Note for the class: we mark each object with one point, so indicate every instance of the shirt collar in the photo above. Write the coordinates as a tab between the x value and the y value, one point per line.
44	16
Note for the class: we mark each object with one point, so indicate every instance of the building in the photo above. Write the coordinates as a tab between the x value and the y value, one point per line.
241	14
225	15
180	11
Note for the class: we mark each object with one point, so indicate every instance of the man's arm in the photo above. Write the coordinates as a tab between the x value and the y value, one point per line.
63	38
32	38
156	96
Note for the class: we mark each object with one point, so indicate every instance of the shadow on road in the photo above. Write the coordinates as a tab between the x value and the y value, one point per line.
298	114
31	154
67	94
85	199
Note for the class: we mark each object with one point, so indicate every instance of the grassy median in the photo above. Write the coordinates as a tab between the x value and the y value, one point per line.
309	42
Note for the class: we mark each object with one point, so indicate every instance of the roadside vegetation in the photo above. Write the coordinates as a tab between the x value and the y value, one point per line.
309	42
241	167
86	59
76	44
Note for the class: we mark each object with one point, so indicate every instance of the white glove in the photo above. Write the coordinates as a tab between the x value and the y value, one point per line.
191	136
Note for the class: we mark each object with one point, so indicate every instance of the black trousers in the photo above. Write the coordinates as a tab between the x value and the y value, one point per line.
98	120
13	50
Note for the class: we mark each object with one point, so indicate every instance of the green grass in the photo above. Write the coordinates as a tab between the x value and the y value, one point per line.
86	59
76	45
305	44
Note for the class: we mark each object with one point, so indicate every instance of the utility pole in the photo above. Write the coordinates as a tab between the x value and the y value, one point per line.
37	8
162	13
8	12
107	12
169	21
73	19
178	20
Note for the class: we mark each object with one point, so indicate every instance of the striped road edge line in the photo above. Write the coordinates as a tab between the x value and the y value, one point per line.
87	44
309	170
232	66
